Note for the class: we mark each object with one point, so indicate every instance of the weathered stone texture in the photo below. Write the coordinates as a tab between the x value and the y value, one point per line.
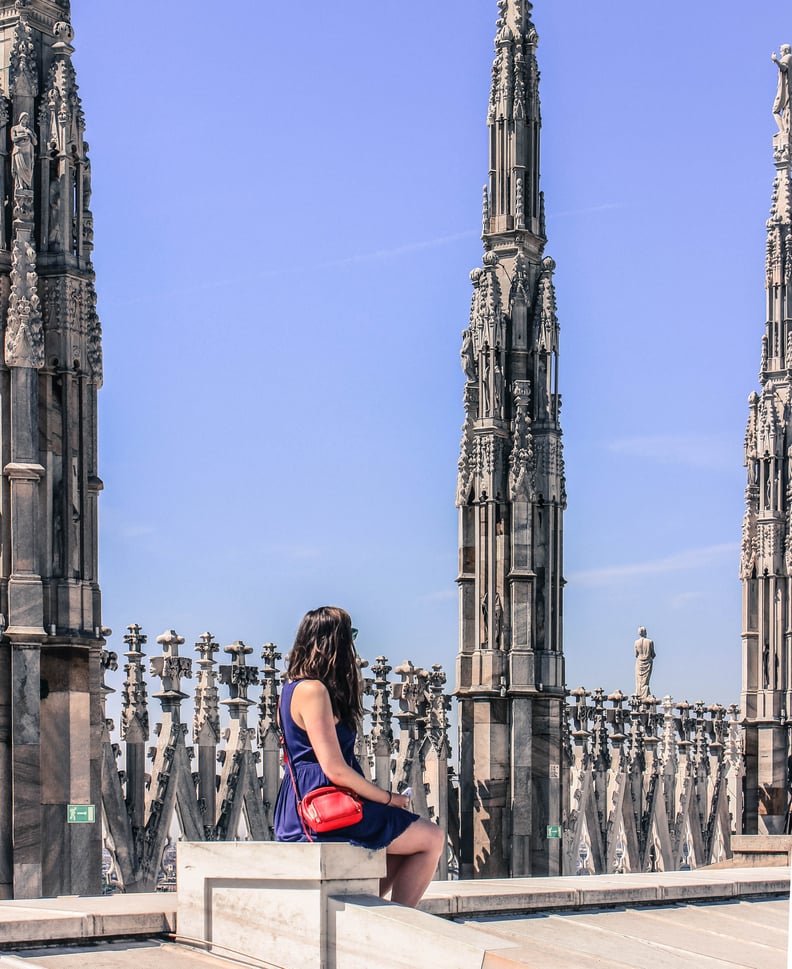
49	375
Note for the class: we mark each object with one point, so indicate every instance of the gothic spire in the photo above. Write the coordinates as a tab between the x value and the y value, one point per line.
510	489
777	344
766	554
514	121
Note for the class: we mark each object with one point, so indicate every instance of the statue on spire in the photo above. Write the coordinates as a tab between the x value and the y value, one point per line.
781	106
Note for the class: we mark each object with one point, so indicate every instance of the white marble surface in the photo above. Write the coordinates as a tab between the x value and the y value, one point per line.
266	900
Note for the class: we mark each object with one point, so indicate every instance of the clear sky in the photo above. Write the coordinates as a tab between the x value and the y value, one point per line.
287	204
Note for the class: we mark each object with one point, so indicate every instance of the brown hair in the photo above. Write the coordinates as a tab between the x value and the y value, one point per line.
324	650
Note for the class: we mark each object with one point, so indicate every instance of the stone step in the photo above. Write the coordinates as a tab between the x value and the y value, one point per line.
76	918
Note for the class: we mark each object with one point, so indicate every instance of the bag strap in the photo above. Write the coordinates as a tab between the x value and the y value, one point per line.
287	762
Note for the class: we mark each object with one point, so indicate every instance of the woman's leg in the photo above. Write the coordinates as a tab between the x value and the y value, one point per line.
419	848
394	864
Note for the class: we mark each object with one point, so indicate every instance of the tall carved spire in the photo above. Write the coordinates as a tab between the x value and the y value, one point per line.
511	494
766	557
50	371
514	119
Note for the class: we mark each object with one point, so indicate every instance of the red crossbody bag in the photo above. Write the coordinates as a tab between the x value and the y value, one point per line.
325	808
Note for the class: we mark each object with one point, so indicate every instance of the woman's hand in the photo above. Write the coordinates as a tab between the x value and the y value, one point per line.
399	801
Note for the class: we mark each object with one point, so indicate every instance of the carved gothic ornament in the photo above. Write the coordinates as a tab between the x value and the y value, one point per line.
69	307
24	337
545	314
93	329
61	118
522	466
514	72
768	431
465	466
769	543
486	311
22	62
549	454
489	460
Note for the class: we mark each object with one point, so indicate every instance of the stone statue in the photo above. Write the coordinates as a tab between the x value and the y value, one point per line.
486	382
498	621
466	355
55	215
781	105
498	388
22	155
644	659
86	178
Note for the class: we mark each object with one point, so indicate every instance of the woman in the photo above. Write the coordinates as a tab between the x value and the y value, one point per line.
320	708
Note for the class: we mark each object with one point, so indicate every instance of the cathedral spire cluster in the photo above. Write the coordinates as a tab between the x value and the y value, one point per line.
766	556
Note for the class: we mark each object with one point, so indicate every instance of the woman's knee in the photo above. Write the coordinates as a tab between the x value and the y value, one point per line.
422	835
433	836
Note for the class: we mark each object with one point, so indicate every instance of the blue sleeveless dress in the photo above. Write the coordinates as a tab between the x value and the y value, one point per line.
380	823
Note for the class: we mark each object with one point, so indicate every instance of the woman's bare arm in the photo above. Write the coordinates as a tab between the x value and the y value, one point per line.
312	711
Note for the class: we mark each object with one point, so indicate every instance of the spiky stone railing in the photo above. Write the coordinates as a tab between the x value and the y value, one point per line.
649	785
143	806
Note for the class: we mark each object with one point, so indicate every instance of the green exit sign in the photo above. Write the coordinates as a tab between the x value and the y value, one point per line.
553	830
81	813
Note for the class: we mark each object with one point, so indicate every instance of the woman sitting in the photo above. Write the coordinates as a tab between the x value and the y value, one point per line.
320	708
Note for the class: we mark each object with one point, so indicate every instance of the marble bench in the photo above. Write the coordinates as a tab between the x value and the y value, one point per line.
269	901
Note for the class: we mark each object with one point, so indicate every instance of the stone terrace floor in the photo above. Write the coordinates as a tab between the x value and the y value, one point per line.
710	919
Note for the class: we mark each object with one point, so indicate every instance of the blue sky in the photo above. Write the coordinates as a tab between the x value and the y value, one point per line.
287	207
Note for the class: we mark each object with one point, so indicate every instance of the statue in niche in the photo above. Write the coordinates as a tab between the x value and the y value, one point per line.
498	621
498	387
485	615
485	383
55	220
766	666
57	530
52	106
644	660
24	140
75	516
465	354
781	105
86	178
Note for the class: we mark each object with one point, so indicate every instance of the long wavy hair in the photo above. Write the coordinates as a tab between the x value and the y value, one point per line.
324	650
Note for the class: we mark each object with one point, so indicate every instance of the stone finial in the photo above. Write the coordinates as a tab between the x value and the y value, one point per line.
238	677
22	61
599	732
170	667
546	310
381	713
268	702
134	706
668	747
207	711
439	703
64	35
734	753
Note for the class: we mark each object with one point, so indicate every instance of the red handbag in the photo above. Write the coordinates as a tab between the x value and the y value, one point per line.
329	808
325	808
